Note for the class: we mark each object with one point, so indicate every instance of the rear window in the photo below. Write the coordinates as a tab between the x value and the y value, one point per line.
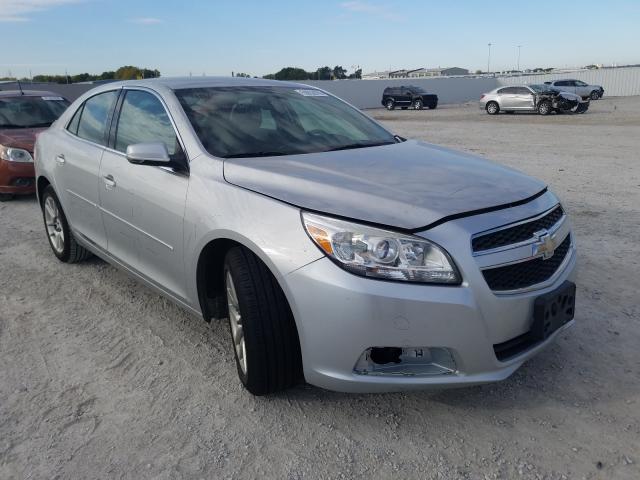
30	111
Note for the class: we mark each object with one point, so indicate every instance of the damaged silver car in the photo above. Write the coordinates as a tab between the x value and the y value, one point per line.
542	99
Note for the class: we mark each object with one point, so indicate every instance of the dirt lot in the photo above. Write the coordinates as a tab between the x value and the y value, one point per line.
101	378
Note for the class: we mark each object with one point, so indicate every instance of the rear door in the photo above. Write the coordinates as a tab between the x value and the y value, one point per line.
565	86
508	99
143	206
78	155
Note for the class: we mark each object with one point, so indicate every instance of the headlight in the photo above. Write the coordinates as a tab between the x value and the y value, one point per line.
372	252
15	155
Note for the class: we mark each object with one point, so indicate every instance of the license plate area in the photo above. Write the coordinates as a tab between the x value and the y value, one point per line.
553	310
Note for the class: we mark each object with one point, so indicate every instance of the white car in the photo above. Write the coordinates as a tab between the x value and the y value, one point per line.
594	92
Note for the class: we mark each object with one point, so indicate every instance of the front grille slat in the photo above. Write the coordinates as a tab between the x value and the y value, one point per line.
527	273
517	233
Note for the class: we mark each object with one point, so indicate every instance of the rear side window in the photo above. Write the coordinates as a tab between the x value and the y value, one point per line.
95	114
522	91
143	119
508	90
562	83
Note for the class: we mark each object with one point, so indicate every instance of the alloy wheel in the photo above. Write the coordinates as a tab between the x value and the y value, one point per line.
235	321
54	225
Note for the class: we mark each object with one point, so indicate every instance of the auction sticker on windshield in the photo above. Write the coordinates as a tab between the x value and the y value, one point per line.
53	99
311	93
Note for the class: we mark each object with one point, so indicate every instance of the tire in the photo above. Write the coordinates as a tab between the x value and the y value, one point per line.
493	108
595	95
5	197
417	104
61	240
390	104
544	108
266	345
432	106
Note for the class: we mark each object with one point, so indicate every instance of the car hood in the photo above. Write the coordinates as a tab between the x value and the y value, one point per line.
24	138
406	185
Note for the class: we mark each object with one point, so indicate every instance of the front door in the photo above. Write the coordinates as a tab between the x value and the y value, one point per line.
143	206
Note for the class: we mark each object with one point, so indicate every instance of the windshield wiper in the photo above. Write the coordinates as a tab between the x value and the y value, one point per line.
257	154
359	145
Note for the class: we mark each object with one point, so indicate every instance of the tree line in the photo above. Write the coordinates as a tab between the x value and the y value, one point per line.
322	73
127	72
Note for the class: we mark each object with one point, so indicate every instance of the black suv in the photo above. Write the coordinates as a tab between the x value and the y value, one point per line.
408	96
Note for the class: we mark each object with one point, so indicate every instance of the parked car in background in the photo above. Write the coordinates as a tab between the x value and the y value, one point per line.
532	98
23	114
408	96
593	92
339	252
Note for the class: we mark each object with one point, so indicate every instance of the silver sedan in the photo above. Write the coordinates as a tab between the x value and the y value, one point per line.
339	253
542	99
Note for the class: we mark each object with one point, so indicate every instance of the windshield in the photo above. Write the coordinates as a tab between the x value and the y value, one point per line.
541	88
30	112
269	121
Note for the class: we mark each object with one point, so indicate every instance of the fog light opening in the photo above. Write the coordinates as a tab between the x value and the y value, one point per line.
411	361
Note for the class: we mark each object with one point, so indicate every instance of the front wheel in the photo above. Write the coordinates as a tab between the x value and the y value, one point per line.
595	95
417	104
544	108
389	105
263	331
61	240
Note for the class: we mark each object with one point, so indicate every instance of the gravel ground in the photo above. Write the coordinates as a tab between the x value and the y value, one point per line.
102	378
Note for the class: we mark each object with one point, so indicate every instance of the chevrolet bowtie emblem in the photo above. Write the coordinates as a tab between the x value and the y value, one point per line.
545	244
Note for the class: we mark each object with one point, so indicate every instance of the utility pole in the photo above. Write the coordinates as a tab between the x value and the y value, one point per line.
489	59
519	47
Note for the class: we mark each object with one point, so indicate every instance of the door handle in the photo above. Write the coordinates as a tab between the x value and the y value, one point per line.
60	159
109	182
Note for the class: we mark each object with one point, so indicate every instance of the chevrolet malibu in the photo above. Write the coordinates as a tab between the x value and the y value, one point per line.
340	253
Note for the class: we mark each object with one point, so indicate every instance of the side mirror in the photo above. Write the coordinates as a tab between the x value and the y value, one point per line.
154	153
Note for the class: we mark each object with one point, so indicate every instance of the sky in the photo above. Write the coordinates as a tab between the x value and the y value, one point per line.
217	37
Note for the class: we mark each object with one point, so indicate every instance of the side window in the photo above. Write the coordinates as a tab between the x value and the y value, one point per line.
143	119
523	91
95	113
562	83
508	90
73	124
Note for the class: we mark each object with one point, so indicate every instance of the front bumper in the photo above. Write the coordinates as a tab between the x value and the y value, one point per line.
340	315
17	178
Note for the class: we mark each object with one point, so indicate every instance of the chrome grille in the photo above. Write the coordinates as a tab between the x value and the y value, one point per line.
517	233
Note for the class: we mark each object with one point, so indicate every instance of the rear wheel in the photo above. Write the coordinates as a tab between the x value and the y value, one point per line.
492	108
417	104
544	108
263	331
389	104
61	240
5	197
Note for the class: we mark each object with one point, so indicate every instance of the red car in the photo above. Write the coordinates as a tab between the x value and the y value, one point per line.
23	114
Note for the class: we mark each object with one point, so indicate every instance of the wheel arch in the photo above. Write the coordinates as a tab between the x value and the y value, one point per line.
41	183
209	273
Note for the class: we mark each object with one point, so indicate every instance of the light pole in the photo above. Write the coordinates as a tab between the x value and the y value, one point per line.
519	47
489	59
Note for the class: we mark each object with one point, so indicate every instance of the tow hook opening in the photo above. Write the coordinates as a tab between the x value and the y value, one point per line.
384	355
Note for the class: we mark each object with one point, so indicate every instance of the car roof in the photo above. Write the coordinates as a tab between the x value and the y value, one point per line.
28	93
176	83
